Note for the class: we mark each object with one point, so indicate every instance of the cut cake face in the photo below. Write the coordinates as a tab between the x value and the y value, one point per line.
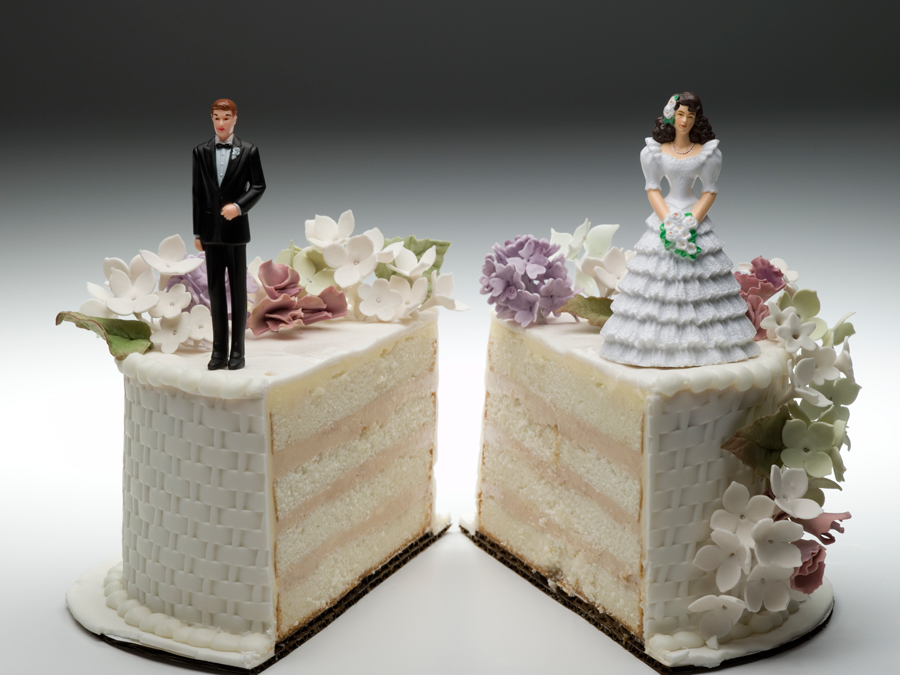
256	502
603	479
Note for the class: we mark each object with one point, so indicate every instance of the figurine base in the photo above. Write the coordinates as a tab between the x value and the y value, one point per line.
87	603
811	618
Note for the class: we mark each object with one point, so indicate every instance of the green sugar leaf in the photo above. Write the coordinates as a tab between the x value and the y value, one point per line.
759	445
596	310
122	336
418	247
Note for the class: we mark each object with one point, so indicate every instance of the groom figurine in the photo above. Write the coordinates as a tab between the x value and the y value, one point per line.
228	181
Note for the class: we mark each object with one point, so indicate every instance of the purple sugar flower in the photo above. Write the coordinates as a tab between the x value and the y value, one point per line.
197	284
506	283
526	278
554	294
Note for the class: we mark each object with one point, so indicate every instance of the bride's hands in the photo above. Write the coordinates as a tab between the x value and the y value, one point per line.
703	205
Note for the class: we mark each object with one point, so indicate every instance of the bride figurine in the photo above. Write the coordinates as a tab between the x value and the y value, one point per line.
679	304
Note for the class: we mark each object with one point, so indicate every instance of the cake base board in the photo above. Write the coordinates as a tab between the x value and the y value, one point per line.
87	603
813	616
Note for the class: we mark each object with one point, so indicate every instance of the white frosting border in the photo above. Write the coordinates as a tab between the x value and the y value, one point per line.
813	613
86	600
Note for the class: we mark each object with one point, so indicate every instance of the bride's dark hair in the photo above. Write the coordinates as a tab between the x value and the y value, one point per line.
700	132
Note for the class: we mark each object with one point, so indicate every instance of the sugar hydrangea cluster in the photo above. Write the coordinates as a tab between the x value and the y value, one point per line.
762	563
526	279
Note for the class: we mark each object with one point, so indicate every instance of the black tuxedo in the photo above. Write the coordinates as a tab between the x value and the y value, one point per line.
243	185
225	241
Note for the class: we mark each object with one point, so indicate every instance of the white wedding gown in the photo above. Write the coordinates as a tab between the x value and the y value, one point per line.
673	311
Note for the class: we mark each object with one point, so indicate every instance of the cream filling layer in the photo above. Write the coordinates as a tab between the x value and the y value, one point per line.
424	437
386	511
351	427
576	430
528	514
561	475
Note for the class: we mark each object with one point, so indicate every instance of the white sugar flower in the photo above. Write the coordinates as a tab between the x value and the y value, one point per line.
776	318
844	363
720	613
405	262
385	254
802	373
170	260
323	231
741	512
808	447
201	323
172	333
132	270
411	297
379	300
570	244
769	587
796	335
790	276
789	487
600	277
774	545
441	290
131	298
96	306
823	358
171	302
727	555
599	239
351	263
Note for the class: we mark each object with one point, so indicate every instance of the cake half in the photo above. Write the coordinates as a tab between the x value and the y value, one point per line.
257	501
599	481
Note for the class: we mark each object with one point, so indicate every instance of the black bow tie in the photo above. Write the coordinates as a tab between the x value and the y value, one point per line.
222	146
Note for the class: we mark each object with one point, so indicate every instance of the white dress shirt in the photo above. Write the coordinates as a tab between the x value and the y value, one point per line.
223	156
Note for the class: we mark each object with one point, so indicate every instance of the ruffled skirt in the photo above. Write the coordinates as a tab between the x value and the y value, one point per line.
674	312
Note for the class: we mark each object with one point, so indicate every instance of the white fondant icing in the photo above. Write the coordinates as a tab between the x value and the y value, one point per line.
89	603
761	634
272	359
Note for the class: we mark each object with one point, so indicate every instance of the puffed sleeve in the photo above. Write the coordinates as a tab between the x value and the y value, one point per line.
712	165
650	163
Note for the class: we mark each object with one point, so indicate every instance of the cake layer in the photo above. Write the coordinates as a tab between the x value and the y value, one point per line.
571	510
359	552
568	452
558	555
374	442
566	385
297	547
317	403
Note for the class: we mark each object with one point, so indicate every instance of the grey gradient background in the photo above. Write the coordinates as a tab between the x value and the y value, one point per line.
467	121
